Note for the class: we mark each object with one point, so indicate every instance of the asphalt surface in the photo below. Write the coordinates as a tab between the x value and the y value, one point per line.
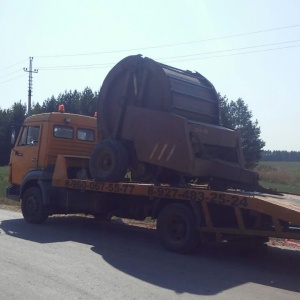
80	258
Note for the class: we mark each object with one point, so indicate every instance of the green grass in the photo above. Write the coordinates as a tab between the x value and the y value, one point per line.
283	176
3	180
4	172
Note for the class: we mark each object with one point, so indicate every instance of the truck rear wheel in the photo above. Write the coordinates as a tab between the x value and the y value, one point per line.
176	226
109	161
32	206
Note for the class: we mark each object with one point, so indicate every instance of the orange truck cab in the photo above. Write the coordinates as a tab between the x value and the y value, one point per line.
41	139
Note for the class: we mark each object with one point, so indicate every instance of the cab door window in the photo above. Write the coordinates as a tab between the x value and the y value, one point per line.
30	136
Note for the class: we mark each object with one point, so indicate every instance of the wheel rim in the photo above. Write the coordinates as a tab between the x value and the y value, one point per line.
104	161
177	229
31	205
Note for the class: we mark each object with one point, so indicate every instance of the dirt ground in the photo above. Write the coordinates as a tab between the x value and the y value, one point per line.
10	207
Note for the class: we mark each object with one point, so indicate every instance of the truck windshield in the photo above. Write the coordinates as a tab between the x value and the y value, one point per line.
30	136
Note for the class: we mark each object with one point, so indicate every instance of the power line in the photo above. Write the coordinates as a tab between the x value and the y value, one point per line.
232	54
169	45
3	82
9	74
236	49
106	65
18	63
151	47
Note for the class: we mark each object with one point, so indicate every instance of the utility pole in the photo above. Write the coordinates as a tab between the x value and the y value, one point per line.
30	71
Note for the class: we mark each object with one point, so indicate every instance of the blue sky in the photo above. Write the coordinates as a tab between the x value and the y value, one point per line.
248	49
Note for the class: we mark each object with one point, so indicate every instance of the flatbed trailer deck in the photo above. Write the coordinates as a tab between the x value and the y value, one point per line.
221	214
281	208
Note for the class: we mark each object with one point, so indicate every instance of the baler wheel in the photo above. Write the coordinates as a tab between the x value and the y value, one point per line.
109	161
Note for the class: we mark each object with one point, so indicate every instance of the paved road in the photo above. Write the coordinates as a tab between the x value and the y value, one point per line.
80	258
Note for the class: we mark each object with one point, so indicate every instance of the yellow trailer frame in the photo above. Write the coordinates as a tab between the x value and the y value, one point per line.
284	210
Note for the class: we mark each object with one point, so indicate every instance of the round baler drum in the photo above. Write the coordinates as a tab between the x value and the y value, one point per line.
133	81
143	82
109	161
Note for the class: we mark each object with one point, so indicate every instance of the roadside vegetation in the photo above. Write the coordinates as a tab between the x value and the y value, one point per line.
3	184
279	175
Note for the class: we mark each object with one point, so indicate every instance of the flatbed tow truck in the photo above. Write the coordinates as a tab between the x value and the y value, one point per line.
49	177
124	164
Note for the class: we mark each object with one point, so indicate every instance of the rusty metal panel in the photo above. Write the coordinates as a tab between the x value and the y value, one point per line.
192	96
156	143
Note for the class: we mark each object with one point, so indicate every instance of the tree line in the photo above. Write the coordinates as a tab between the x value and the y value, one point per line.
234	114
268	155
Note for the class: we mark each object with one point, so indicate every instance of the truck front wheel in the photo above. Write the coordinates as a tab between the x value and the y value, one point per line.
32	206
176	227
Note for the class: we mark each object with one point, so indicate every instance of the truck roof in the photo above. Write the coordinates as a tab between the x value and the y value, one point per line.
61	117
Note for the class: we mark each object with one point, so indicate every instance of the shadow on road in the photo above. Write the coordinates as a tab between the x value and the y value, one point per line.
137	252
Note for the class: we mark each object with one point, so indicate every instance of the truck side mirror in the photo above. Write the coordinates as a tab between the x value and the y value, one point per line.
13	136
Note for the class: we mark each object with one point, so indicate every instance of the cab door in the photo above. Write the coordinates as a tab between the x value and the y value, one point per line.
25	154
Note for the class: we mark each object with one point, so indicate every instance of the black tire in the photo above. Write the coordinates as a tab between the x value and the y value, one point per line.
32	206
176	227
109	161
